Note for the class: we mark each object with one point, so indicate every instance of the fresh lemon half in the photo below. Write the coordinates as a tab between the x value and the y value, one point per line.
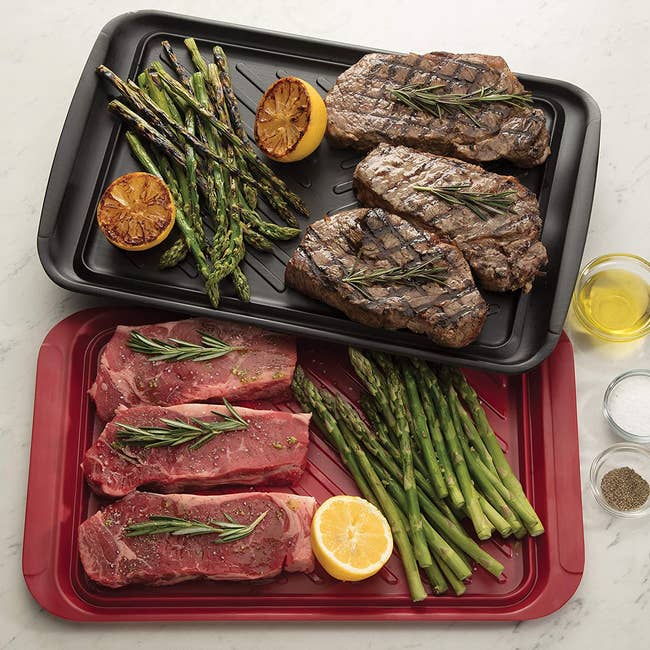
350	538
290	121
136	211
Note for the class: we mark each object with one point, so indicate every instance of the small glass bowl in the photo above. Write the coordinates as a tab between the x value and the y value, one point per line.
617	384
616	261
622	454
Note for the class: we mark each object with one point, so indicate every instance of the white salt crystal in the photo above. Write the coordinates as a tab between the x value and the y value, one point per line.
629	404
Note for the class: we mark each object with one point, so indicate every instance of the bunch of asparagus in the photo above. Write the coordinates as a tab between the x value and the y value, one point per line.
428	460
200	149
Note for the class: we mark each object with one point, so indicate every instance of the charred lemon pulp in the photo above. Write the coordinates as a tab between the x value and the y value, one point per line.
290	121
136	211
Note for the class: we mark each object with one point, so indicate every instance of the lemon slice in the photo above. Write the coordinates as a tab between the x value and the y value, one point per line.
290	121
136	211
350	538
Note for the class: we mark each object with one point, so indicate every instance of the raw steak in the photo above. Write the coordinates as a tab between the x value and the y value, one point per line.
279	542
271	451
362	113
264	368
364	240
503	250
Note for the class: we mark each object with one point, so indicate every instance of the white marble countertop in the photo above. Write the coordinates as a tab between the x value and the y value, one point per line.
600	46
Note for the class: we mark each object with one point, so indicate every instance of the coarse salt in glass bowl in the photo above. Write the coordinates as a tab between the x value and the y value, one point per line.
626	405
622	454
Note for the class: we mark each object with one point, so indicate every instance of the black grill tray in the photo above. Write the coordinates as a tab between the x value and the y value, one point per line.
520	331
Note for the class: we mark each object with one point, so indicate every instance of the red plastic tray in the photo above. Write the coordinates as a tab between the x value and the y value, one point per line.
533	414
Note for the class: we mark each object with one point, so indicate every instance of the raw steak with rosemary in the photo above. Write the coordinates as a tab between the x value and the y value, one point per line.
383	271
262	447
363	111
260	366
280	541
503	248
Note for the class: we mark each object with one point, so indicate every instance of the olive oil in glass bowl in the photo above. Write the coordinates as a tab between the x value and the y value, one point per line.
612	297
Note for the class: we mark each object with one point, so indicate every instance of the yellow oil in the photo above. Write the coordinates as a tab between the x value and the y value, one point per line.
616	301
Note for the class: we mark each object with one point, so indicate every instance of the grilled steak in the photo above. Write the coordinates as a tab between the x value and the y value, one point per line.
272	450
362	113
503	250
364	241
263	368
279	542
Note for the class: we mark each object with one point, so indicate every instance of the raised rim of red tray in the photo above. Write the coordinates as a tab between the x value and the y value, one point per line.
556	475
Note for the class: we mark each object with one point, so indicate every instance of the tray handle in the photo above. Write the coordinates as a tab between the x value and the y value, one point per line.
43	496
583	197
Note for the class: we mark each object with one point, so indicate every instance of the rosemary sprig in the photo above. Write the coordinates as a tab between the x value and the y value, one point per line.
428	99
425	271
178	432
482	204
179	350
226	531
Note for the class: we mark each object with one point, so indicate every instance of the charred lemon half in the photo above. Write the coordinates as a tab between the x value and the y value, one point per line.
136	211
290	121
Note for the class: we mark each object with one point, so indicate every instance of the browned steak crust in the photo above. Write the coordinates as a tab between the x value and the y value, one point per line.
451	314
362	114
503	250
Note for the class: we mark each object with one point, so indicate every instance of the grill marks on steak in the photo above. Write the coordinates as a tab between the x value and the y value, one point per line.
279	542
264	368
503	251
272	450
451	314
362	114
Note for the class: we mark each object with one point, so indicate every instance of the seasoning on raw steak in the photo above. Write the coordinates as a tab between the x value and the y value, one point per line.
272	450
362	112
369	241
279	542
263	368
503	250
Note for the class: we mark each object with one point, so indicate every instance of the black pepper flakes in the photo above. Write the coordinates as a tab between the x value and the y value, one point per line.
624	489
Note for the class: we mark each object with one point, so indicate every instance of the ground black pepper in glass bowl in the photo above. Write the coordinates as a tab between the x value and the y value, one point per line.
619	477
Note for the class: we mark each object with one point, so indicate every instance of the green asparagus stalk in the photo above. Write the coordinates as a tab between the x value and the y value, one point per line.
166	173
519	502
456	584
481	474
348	414
218	78
445	522
256	239
241	284
147	131
174	255
420	431
436	578
377	494
469	428
455	494
498	522
199	62
372	379
394	385
190	167
481	524
229	95
181	71
176	89
267	228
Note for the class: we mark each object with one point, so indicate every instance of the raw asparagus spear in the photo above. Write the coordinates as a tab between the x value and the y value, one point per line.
519	502
420	431
455	494
377	494
481	524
